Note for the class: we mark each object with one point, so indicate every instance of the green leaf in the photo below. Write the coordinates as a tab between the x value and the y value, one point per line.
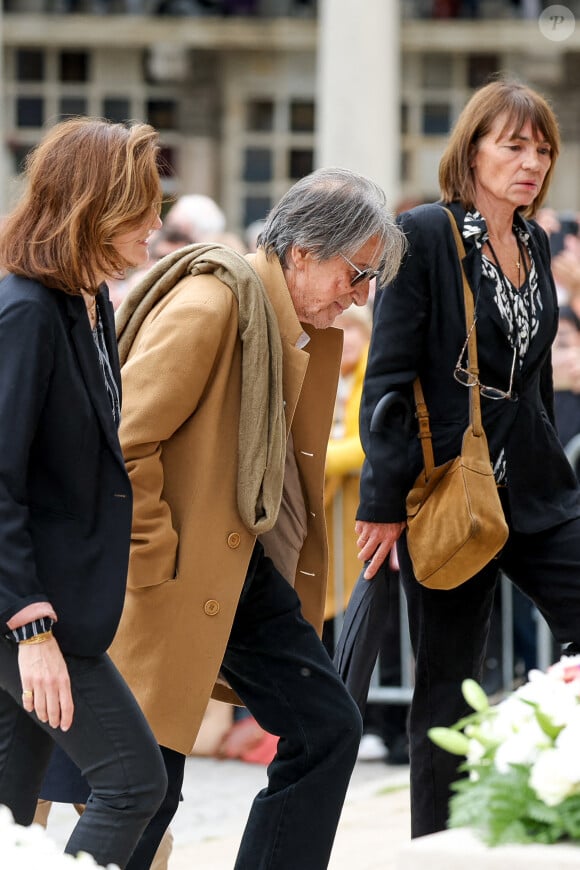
450	740
474	695
503	808
547	725
569	812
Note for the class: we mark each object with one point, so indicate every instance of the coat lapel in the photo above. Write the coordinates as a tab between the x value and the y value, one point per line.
84	347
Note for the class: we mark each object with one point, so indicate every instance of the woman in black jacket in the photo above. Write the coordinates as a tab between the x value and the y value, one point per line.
92	200
493	175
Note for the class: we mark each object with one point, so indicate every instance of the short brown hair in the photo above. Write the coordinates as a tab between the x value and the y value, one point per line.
519	104
88	180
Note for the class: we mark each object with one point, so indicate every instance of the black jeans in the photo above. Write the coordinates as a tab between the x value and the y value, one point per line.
280	670
110	742
449	632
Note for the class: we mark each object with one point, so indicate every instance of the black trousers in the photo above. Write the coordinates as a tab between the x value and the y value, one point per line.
109	741
281	671
449	632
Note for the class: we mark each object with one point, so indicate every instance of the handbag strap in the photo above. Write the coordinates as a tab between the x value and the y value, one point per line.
472	362
474	396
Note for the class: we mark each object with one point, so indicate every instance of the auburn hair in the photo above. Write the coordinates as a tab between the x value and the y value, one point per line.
517	104
87	181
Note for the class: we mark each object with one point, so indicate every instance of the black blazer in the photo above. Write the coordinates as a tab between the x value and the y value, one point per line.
419	329
65	496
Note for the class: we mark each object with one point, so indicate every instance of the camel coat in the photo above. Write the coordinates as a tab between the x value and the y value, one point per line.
190	550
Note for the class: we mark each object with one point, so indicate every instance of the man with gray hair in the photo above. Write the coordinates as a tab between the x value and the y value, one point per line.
196	216
229	379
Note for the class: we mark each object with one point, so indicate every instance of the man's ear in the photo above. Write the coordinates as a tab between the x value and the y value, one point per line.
298	256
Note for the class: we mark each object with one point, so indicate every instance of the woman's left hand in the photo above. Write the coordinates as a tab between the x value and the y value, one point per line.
45	683
376	541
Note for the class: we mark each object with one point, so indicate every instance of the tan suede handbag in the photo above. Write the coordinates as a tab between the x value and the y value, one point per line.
455	521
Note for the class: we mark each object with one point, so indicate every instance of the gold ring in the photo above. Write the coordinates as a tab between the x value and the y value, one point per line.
27	692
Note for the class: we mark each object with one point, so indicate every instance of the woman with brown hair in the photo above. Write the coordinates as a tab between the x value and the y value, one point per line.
493	176
92	200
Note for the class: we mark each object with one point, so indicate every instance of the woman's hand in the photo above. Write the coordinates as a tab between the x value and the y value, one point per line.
45	683
375	541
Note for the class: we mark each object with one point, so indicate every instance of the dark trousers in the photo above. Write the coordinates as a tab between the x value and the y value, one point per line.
449	632
110	742
280	670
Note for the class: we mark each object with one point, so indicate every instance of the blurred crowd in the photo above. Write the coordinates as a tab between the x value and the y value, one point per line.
435	9
305	8
562	228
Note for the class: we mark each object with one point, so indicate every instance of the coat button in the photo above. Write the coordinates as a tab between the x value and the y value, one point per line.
234	540
211	607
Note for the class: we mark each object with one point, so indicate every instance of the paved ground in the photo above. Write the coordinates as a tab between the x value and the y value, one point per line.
217	798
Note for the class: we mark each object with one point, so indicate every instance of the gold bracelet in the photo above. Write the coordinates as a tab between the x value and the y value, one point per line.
36	638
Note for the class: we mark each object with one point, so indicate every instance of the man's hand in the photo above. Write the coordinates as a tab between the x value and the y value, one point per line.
45	683
375	541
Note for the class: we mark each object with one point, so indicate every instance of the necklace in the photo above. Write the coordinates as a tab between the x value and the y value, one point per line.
517	263
520	332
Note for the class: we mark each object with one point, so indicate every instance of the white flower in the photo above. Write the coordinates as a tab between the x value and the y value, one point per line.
32	847
521	747
532	737
556	699
552	778
475	751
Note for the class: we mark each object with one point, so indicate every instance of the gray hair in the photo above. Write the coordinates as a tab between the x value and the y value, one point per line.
332	212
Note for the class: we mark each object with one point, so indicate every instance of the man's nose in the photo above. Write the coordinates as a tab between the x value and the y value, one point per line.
360	293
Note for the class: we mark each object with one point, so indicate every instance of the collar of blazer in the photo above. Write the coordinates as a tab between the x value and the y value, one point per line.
323	350
548	309
272	275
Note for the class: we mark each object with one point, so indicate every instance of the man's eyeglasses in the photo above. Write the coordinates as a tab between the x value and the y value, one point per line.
467	379
361	274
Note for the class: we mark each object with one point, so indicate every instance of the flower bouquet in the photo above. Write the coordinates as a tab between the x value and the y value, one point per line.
522	760
31	847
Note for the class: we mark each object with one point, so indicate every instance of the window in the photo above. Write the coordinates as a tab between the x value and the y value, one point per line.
480	67
29	112
74	66
162	114
302	116
167	162
72	106
257	164
19	154
260	116
404	118
256	208
436	119
29	65
116	109
301	162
